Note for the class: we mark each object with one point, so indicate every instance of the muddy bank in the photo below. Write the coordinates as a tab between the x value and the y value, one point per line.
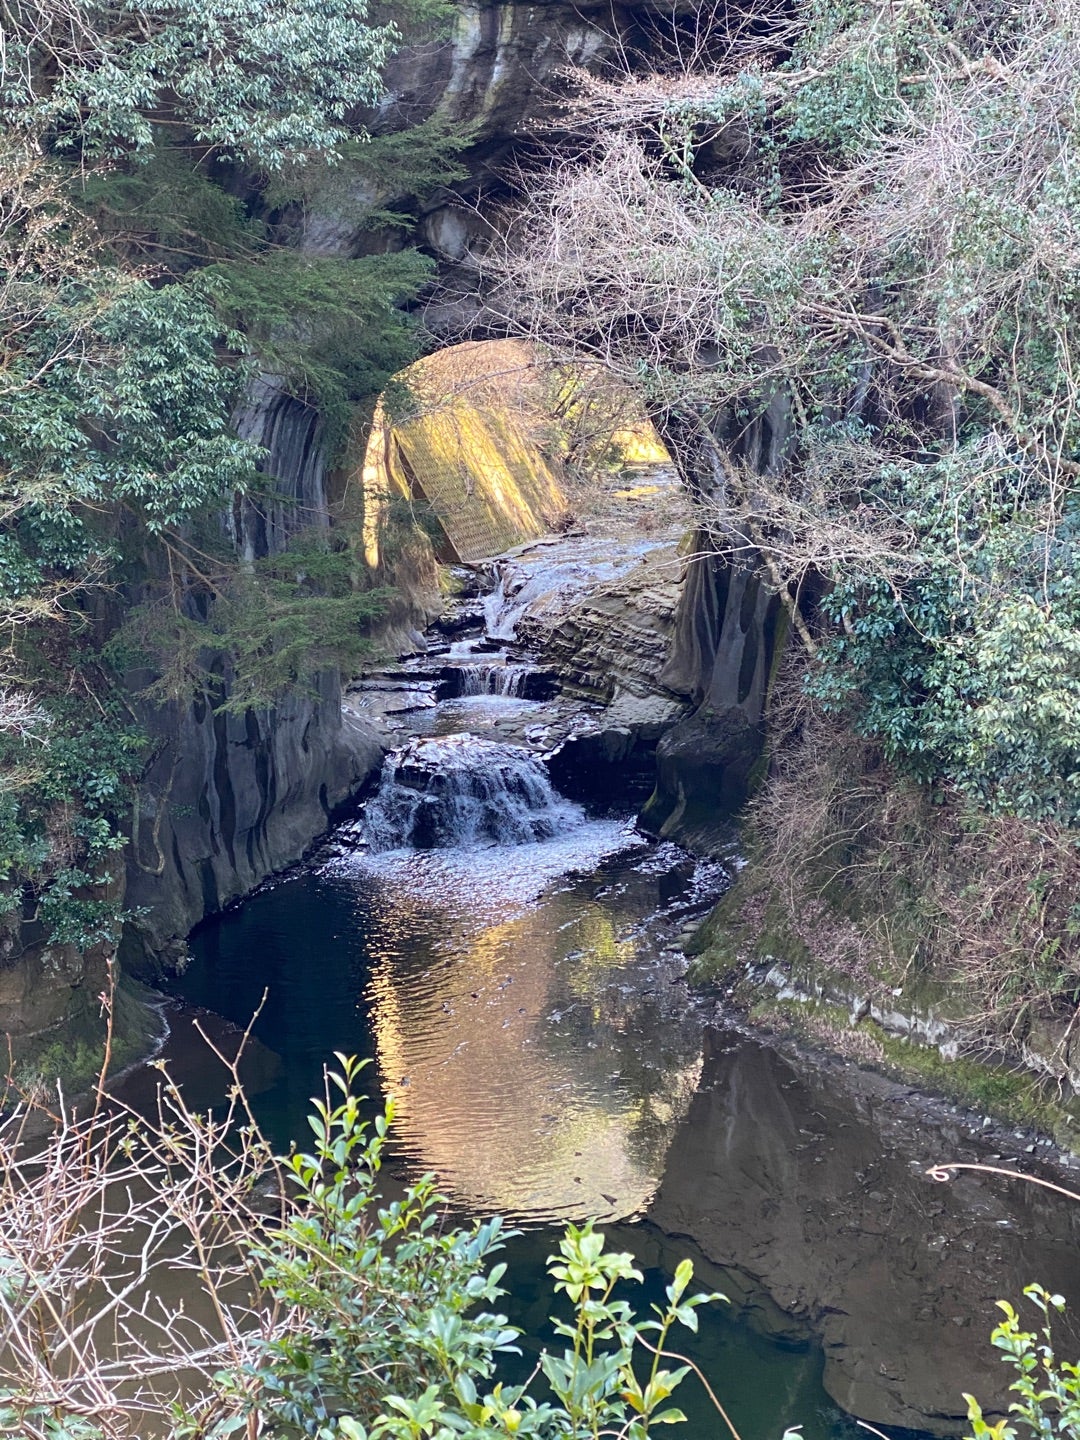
808	1174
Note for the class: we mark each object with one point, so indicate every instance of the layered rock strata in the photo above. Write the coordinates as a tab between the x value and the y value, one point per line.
727	638
609	647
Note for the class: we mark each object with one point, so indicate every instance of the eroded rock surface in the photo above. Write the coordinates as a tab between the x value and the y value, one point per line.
229	800
611	645
44	986
726	640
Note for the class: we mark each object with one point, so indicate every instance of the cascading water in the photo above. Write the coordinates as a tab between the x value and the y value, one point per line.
461	790
508	680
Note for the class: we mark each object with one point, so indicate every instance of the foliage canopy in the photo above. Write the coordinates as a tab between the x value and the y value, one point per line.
145	279
267	83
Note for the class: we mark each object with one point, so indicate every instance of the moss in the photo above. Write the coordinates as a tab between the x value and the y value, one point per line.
1009	1095
746	924
859	887
73	1056
656	811
473	444
827	930
1016	1096
451	582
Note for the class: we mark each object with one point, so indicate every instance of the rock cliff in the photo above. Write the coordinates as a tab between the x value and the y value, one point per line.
228	800
727	636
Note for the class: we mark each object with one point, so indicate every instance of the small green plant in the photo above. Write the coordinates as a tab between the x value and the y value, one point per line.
393	1333
1047	1389
319	1310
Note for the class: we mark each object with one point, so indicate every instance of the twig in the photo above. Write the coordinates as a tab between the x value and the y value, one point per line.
685	1360
942	1173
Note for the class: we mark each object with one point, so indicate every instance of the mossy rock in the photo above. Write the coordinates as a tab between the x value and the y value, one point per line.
727	939
72	1054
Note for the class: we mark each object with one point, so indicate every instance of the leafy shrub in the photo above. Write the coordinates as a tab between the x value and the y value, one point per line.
343	1318
142	282
396	1338
1047	1389
318	1309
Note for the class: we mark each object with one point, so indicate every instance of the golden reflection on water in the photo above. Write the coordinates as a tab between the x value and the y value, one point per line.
537	1064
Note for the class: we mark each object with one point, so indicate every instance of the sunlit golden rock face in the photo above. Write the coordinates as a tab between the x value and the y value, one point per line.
469	441
480	433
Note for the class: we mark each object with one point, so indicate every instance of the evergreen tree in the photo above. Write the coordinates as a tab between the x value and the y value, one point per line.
149	153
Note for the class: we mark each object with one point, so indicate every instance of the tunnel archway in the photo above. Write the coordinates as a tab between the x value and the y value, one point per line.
493	444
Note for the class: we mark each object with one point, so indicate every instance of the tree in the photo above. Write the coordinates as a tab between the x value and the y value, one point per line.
268	83
839	255
141	285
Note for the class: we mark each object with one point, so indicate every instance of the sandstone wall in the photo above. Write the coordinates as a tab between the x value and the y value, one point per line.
727	637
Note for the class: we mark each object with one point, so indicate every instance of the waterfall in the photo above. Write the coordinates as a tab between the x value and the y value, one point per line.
460	790
506	680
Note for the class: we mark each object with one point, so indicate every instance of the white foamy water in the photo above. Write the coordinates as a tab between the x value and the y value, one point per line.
463	791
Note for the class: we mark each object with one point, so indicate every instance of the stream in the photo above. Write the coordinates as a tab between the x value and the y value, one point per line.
521	1004
508	960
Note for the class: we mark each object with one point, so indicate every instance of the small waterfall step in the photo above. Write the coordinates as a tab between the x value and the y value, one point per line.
506	680
461	790
512	681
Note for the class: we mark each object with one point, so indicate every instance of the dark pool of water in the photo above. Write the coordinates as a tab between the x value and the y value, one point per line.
516	1001
523	1007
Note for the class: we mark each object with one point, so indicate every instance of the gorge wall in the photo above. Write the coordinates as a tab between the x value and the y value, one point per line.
229	798
728	637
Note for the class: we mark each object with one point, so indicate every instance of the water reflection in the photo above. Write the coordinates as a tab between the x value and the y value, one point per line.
478	713
765	1386
510	1061
516	1001
522	1012
810	1177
